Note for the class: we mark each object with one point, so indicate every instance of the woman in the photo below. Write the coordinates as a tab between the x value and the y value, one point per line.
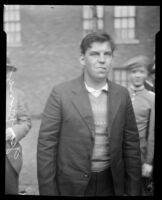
18	124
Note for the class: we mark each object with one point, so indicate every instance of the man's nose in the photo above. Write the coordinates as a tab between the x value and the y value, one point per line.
101	58
138	74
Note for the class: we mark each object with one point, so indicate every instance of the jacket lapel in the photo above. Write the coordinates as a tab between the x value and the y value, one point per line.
113	104
81	102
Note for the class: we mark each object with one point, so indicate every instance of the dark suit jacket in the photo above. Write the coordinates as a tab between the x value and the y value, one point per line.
66	141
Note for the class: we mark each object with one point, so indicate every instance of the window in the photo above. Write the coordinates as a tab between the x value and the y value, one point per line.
120	76
124	22
12	24
93	18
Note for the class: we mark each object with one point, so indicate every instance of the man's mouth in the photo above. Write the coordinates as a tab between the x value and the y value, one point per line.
137	80
104	68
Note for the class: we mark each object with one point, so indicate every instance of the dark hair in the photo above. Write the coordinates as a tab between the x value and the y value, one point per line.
96	37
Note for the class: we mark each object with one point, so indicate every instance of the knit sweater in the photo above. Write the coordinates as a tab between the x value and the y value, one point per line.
100	155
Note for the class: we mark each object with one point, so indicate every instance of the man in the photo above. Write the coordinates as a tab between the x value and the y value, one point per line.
18	124
150	81
144	107
88	143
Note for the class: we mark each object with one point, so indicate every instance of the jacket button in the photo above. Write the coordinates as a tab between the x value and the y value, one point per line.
86	175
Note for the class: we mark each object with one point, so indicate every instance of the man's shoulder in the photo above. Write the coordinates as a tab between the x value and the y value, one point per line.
66	85
119	88
150	95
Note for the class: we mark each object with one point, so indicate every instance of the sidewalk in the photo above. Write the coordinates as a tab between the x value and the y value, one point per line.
28	175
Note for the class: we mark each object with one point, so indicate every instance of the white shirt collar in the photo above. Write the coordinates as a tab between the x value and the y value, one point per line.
97	92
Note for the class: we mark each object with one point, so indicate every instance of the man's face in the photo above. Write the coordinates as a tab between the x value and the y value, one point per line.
97	60
137	76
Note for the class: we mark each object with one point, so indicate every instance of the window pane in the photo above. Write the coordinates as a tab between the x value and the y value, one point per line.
123	75
120	77
87	25
131	11
9	38
16	15
117	23
118	33
6	27
5	16
17	27
12	27
124	11
11	24
124	23
131	34
100	11
100	24
11	16
87	12
124	34
117	11
131	22
17	37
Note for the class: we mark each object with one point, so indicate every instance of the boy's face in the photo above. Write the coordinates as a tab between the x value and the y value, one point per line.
137	76
97	60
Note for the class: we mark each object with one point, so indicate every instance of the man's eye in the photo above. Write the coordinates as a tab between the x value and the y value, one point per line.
94	54
108	54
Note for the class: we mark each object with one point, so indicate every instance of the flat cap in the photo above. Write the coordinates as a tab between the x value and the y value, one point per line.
10	66
139	61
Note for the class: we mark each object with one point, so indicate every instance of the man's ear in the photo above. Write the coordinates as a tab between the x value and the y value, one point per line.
82	59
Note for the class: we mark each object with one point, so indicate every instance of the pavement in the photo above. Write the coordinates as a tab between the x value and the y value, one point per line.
28	184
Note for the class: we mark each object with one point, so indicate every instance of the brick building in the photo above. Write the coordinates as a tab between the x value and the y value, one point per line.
43	42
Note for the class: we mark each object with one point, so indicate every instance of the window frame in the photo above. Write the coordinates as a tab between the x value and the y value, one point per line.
127	28
120	81
94	18
12	25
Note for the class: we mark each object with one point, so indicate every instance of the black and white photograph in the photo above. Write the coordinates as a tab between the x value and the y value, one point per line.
80	99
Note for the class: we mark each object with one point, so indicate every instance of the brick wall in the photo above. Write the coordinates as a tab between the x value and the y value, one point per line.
49	51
